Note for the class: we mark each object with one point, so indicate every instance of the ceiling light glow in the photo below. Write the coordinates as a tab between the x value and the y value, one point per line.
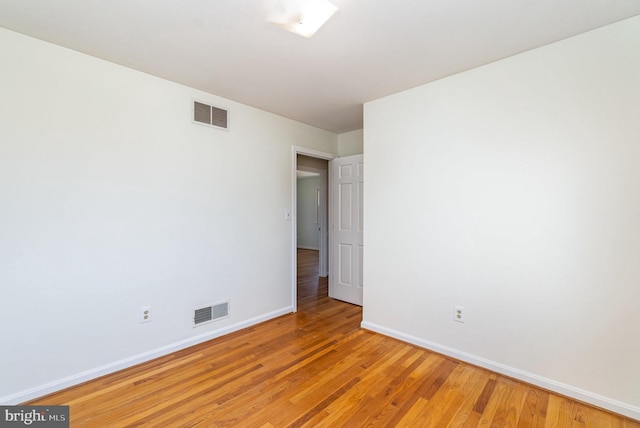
302	17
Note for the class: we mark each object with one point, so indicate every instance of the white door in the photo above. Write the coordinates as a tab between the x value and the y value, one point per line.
346	248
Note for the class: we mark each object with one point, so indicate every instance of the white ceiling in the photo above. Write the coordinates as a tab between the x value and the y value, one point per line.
369	49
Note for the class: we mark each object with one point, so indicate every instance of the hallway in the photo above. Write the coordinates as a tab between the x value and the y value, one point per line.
311	287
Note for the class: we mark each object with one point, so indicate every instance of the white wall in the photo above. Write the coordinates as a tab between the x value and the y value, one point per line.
514	191
351	143
111	199
307	225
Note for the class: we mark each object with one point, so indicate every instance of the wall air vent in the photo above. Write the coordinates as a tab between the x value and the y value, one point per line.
206	114
210	313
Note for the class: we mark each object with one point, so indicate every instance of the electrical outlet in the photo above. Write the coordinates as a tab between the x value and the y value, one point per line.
145	314
458	313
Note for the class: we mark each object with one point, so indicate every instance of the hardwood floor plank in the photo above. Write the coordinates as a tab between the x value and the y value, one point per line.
497	399
485	396
352	408
317	368
559	411
448	397
443	410
409	419
384	405
471	392
508	413
528	414
427	387
324	403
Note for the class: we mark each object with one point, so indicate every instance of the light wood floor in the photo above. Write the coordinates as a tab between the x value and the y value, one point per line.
317	368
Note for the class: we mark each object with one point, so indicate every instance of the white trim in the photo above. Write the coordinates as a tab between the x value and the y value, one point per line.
332	217
313	153
610	404
294	201
91	374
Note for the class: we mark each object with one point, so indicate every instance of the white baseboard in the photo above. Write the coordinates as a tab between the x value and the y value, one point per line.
87	375
612	405
302	247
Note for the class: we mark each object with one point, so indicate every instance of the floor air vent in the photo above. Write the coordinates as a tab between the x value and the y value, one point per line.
209	115
210	313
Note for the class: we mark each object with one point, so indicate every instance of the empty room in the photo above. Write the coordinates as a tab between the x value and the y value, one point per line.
320	213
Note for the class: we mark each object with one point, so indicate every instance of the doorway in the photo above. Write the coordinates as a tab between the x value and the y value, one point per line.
309	205
311	162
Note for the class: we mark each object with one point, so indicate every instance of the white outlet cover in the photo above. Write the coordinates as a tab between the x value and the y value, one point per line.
145	314
458	313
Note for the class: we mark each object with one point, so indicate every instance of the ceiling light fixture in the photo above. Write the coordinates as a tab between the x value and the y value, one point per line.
303	17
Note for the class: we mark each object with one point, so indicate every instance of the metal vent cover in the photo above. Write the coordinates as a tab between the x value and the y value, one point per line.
206	114
210	313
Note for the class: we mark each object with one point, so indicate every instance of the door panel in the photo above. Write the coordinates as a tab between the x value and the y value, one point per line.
346	264
344	208
346	247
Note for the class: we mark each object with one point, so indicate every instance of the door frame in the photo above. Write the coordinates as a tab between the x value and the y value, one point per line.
297	150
